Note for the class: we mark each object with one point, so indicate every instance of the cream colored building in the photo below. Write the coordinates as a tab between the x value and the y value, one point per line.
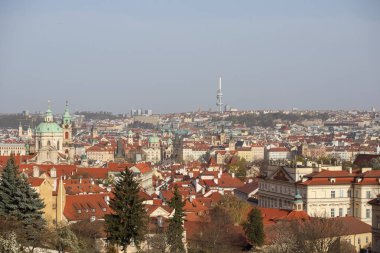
258	152
7	149
189	154
327	191
245	153
100	153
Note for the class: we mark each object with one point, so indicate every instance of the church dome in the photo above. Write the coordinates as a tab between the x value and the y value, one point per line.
48	127
154	139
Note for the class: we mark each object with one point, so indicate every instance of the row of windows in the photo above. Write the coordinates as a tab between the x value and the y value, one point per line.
341	194
277	188
359	241
340	212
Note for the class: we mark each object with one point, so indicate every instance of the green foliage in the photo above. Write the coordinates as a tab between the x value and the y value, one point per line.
127	223
254	228
175	229
19	200
239	168
235	207
66	240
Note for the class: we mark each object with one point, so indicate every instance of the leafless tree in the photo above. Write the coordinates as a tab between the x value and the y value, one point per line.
317	235
218	234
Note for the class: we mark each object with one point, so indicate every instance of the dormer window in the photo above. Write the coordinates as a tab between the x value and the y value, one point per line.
92	218
332	180
104	209
79	211
93	210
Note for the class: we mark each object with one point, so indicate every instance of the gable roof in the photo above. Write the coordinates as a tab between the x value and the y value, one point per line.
82	207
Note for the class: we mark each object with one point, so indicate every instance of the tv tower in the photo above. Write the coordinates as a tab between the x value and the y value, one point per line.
219	96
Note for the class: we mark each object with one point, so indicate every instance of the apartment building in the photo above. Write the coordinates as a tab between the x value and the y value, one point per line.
327	191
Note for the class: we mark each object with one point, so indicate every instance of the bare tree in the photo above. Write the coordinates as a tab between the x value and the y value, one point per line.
317	235
218	234
281	238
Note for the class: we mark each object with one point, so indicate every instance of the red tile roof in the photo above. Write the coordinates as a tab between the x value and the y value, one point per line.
35	181
82	207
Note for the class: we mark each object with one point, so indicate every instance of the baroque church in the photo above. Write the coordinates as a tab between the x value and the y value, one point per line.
53	141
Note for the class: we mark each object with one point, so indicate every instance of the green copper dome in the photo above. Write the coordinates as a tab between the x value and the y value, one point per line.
48	127
154	139
298	197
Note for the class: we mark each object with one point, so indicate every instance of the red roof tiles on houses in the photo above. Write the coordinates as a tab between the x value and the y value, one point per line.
83	207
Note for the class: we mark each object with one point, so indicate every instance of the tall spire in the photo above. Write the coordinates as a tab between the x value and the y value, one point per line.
66	116
49	114
219	96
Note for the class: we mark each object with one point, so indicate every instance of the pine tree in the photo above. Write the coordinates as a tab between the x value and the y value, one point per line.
175	229
19	200
254	228
127	223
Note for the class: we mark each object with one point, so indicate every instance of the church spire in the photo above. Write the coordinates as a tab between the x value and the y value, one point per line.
49	114
66	115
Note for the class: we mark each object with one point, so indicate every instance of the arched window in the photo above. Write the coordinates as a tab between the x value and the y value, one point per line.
66	135
48	143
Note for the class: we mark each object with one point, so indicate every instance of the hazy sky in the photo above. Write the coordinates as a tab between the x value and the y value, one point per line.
167	55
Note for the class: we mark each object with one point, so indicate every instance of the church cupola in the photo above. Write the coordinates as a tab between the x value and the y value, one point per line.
298	203
130	137
66	126
49	114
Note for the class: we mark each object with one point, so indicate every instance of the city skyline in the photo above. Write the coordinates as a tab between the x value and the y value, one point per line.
169	56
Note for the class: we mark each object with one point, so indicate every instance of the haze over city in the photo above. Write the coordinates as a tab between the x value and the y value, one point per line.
168	55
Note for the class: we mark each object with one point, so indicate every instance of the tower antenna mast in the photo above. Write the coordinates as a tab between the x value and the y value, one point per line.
219	96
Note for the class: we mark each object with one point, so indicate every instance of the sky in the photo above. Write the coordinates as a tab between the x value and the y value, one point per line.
168	55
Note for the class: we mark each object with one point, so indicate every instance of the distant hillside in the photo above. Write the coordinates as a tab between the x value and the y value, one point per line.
99	115
13	120
269	119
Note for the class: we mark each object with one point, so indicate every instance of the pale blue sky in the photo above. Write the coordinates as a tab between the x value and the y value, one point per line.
167	55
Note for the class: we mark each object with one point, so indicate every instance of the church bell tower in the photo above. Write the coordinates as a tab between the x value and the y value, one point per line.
67	127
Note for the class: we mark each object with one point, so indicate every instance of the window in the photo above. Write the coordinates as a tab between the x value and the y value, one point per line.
348	211
368	194
359	241
92	218
332	194
367	213
349	193
366	239
341	212
332	212
341	194
357	194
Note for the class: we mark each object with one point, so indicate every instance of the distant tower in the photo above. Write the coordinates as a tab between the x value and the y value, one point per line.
20	131
219	96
